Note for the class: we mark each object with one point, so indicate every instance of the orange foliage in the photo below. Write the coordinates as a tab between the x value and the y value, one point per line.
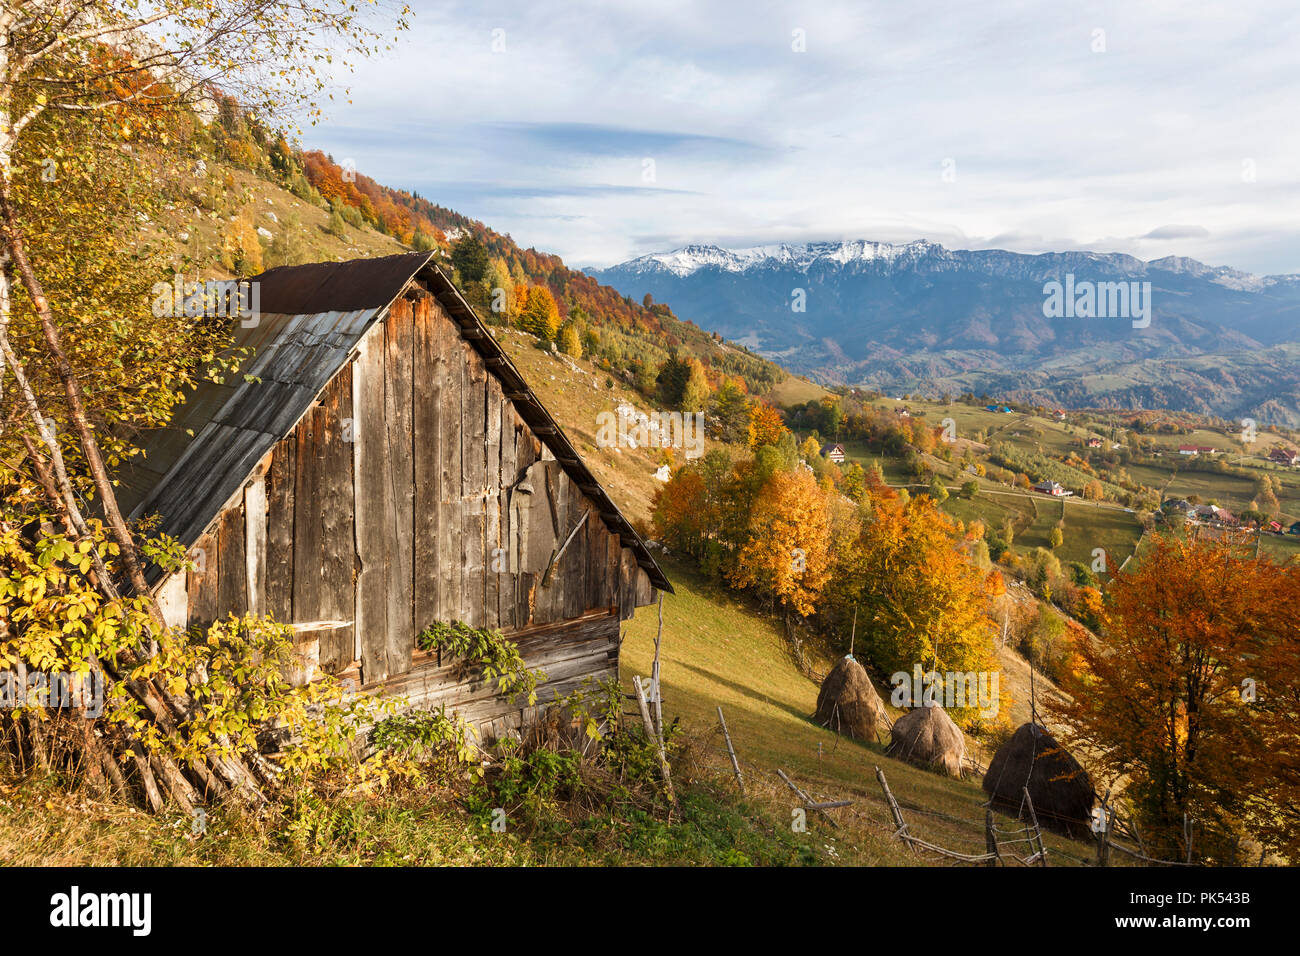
765	425
787	557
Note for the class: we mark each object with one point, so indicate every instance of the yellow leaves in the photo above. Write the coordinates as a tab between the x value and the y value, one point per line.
765	425
787	555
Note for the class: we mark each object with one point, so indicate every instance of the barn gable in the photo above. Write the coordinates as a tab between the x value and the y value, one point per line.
378	465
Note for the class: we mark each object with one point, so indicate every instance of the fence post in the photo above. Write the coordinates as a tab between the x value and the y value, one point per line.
731	752
664	770
895	811
1038	832
990	841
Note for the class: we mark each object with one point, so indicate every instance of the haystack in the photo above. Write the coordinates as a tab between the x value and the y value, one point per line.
927	737
1059	787
848	703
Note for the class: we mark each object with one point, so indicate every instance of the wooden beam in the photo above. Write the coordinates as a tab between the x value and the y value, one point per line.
808	802
731	751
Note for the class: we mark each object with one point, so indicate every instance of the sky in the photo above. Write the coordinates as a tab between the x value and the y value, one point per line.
603	131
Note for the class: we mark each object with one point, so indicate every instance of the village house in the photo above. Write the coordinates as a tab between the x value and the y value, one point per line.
1214	514
1053	489
379	464
1094	442
1197	450
1285	456
833	452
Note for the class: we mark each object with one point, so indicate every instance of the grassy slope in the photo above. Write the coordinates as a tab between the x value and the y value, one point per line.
717	652
202	229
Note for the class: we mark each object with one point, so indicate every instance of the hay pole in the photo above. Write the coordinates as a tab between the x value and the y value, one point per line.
809	803
659	744
731	751
1041	856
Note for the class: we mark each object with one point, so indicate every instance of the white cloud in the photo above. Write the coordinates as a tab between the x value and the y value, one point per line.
1055	146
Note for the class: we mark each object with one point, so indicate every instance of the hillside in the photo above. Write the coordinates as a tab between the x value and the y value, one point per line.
716	652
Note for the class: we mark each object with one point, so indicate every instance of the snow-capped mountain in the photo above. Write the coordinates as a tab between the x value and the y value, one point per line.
800	256
922	255
913	313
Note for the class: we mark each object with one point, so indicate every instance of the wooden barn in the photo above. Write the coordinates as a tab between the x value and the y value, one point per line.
383	466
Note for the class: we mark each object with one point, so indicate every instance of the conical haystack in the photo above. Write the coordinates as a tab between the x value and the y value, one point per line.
927	737
1058	785
848	703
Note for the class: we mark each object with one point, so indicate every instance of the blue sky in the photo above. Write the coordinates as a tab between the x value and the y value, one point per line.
602	131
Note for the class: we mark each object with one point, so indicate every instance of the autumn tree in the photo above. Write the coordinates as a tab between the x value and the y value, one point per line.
241	249
702	511
786	558
1266	495
1272	810
731	408
919	600
695	391
539	314
680	512
569	342
1191	697
854	485
765	425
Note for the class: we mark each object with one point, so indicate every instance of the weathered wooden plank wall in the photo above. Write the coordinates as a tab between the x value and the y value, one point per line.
372	494
399	463
324	539
412	491
279	530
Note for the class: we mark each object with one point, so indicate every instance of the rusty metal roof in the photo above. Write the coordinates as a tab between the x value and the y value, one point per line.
312	317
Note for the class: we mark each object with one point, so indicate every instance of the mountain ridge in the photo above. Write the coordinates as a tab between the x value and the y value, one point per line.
692	257
920	316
